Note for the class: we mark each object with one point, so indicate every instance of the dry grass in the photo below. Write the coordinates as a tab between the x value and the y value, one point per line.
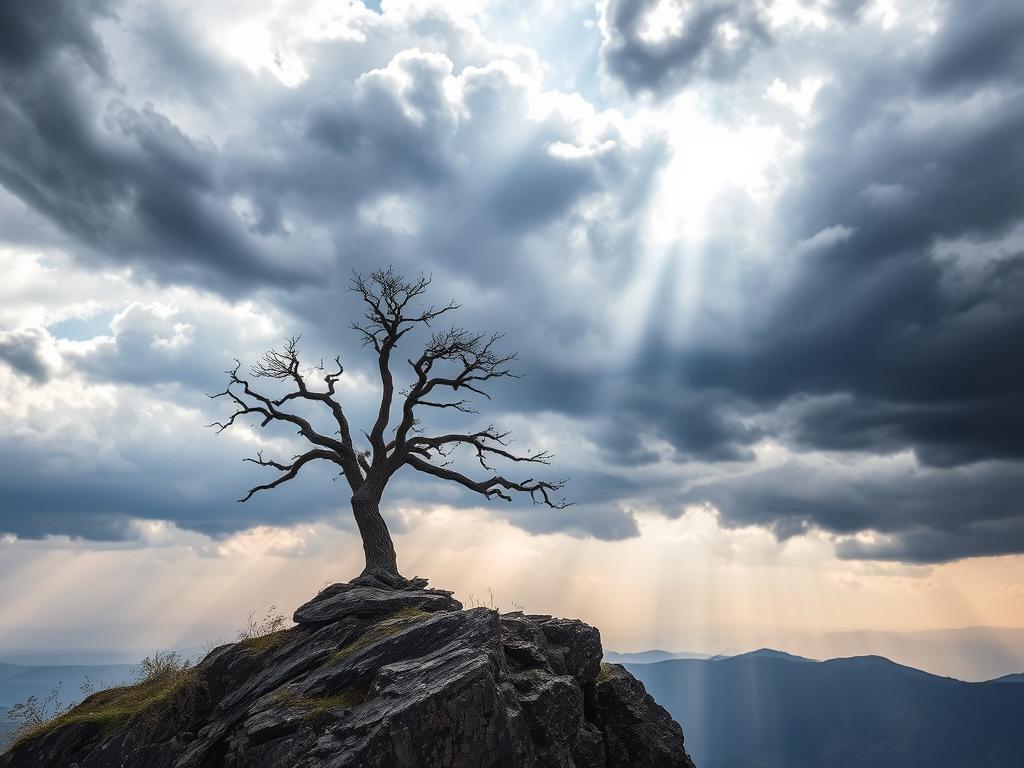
167	696
161	664
256	646
35	712
271	623
387	627
260	636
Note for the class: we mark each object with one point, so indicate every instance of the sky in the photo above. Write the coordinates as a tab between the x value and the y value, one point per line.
762	263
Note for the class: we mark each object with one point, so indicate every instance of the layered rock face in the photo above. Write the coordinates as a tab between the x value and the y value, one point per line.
380	678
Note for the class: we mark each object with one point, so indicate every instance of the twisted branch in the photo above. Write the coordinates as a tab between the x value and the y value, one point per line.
540	491
290	470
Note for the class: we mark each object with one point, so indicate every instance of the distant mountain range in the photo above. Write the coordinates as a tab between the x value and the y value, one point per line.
649	657
769	709
1009	679
966	653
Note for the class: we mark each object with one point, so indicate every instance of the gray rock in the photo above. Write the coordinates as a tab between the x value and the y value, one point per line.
340	600
636	729
382	678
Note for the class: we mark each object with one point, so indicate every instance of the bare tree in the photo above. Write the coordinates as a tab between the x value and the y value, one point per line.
454	361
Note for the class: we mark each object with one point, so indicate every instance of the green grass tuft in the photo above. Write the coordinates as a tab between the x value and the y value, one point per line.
406	614
606	673
158	699
257	646
387	627
318	706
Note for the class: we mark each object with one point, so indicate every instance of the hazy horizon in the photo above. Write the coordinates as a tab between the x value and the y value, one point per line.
173	603
972	654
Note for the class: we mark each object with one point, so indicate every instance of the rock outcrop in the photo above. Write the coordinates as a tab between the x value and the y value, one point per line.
378	678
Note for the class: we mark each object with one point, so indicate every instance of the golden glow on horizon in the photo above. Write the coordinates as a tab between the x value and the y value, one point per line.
683	584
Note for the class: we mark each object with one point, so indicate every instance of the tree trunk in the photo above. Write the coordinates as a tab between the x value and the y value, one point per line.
377	544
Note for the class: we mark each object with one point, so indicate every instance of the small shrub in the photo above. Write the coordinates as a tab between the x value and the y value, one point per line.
210	645
491	603
272	622
606	673
161	664
167	693
34	713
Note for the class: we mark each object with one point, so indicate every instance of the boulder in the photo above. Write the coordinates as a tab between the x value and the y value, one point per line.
340	600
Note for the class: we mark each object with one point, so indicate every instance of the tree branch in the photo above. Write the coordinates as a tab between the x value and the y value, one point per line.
475	361
387	296
283	364
540	491
484	442
269	410
290	470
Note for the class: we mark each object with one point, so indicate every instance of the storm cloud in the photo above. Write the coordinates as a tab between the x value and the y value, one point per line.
856	308
125	183
654	45
22	351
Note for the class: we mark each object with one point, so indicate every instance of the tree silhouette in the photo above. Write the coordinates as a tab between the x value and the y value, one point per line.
453	361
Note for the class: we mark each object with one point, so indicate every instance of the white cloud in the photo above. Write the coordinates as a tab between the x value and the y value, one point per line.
825	239
800	99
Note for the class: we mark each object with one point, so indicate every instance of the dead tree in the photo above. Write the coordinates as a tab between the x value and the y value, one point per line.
455	365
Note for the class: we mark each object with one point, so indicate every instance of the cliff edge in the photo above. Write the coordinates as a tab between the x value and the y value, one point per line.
373	677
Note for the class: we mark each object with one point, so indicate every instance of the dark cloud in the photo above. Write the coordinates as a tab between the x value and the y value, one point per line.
916	364
978	46
905	334
941	434
596	511
931	340
927	545
915	515
190	483
704	426
126	183
22	351
849	10
714	40
30	33
886	323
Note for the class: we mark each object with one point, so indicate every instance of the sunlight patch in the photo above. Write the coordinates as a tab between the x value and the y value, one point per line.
663	22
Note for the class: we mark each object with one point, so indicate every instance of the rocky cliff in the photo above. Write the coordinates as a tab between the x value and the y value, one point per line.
374	677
